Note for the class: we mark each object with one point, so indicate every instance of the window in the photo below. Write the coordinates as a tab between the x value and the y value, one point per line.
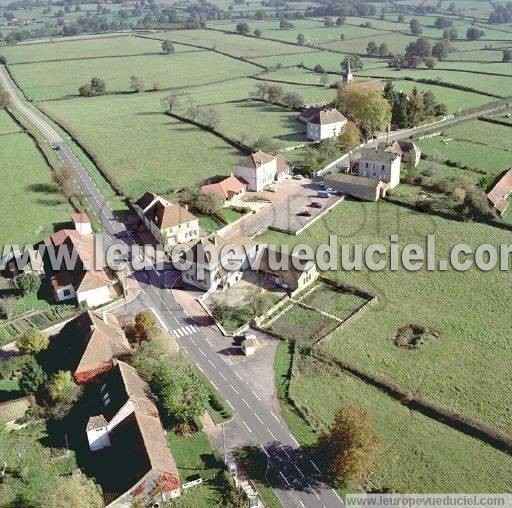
383	167
366	165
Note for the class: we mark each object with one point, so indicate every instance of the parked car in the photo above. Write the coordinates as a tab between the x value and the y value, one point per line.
316	204
322	194
272	189
304	213
330	190
298	177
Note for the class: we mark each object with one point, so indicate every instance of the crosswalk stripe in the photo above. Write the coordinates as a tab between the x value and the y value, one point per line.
179	332
189	329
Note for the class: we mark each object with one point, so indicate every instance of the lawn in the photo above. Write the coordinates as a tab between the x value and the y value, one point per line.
195	456
468	368
417	454
31	203
478	144
46	80
143	148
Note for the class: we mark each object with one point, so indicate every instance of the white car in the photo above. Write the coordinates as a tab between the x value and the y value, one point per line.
298	177
330	190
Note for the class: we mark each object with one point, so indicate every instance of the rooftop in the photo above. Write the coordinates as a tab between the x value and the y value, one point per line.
353	180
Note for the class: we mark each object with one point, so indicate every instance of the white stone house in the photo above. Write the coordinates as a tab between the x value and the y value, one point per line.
325	124
169	223
82	223
261	169
378	164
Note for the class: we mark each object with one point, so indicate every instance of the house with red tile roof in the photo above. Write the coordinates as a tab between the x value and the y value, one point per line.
230	190
169	223
500	193
261	169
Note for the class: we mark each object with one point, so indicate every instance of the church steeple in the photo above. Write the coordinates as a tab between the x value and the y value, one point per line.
347	73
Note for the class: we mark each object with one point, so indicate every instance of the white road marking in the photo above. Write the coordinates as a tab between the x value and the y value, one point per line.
314	491
234	389
193	341
295	441
201	351
284	478
285	452
238	376
230	405
256	415
212	364
272	413
297	468
302	504
159	319
214	385
315	466
245	402
207	340
270	432
223	376
248	428
265	451
255	394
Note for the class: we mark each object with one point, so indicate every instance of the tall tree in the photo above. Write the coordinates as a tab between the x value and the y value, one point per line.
137	83
349	137
173	99
352	444
33	341
243	29
167	47
28	283
145	324
415	27
32	377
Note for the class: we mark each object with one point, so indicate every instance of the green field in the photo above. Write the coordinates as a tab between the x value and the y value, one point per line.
478	144
467	368
48	81
143	148
418	454
31	204
7	124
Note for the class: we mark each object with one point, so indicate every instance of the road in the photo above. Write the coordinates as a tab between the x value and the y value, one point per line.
294	477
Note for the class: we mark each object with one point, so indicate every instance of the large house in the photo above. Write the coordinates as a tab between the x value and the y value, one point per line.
169	223
212	267
261	169
85	281
500	193
378	172
409	150
90	345
326	123
230	190
130	440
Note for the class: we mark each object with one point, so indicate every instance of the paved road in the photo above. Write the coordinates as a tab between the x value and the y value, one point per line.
294	477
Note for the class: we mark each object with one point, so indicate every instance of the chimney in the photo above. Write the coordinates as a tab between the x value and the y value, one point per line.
186	207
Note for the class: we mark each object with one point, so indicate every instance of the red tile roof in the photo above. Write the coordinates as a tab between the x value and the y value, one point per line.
500	192
80	218
226	188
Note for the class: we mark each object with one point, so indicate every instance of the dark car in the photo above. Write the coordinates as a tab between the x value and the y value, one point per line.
316	204
304	213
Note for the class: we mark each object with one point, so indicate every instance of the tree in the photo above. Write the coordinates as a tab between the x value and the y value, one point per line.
28	283
62	388
3	60
64	178
285	25
364	105
328	22
421	48
340	20
318	69
352	444
355	62
98	86
207	203
274	92
258	33
233	495
507	55
181	392
157	86
167	47
383	50
349	137
148	354
33	341
431	62
173	99
372	48
221	312
32	377
77	491
474	34
137	84
210	117
293	100
415	27
145	324
243	29
5	99
7	305
301	39
86	90
193	112
453	33
440	49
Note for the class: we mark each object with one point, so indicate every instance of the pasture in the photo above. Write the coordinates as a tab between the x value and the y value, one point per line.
417	454
47	80
467	368
476	144
32	203
142	147
7	124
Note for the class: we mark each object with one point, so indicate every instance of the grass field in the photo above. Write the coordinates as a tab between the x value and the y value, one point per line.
337	303
143	148
7	124
48	81
32	203
418	454
303	325
467	368
477	144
